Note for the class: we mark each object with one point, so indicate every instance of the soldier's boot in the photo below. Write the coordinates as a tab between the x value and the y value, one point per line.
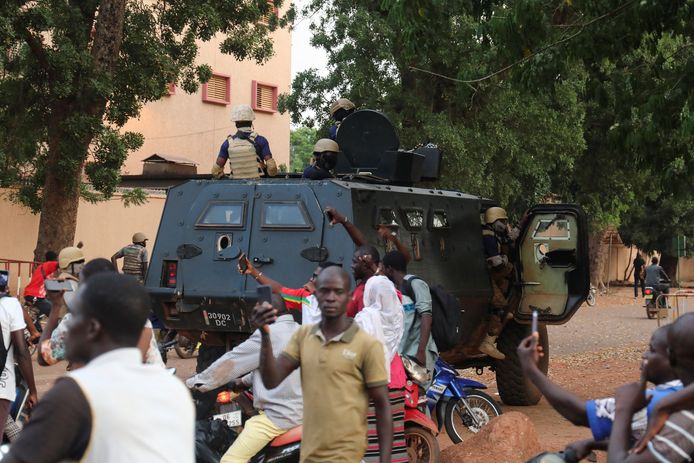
488	346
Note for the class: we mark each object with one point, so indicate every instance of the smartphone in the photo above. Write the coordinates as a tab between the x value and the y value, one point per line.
264	293
533	327
243	265
57	285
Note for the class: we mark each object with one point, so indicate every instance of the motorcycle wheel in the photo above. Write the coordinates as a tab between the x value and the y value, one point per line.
422	446
185	347
459	423
590	300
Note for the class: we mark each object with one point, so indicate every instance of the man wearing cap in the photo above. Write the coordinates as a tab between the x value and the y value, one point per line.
248	153
324	160
338	111
134	257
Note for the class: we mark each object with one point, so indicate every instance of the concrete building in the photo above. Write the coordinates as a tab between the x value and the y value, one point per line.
187	129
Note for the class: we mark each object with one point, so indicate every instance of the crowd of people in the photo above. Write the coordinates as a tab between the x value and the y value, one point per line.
118	403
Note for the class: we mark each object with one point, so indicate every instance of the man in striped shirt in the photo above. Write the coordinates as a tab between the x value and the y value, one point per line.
675	441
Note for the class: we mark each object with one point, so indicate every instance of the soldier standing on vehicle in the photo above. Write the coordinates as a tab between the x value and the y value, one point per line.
497	248
339	110
134	257
341	368
248	153
324	160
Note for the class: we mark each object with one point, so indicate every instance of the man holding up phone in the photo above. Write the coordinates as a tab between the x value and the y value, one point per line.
281	408
342	366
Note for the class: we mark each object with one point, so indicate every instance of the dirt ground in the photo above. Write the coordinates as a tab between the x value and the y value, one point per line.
593	354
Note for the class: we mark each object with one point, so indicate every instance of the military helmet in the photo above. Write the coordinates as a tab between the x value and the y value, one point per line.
69	255
493	214
242	112
342	103
139	237
325	144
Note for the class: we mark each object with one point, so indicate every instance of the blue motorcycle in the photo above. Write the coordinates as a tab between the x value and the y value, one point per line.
458	403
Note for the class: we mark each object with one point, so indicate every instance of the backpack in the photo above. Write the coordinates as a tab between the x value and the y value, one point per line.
447	316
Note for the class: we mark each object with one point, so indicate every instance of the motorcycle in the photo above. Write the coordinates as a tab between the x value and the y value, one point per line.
420	431
650	295
458	403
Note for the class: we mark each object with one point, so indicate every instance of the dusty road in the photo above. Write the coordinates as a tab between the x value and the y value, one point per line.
598	350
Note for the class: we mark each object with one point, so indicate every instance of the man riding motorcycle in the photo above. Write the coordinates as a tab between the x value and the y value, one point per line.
280	409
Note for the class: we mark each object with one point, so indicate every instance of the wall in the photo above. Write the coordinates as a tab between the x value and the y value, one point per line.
104	228
620	258
183	125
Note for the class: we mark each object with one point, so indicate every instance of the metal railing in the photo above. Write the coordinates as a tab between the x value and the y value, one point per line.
681	304
19	270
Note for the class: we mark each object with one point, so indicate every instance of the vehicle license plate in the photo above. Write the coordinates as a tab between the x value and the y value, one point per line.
232	418
648	296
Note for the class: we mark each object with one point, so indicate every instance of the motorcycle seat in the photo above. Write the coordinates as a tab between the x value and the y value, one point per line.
289	437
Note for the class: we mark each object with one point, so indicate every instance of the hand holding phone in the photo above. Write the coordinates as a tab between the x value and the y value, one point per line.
533	327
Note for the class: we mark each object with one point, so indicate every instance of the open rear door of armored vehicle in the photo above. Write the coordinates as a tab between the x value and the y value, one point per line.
552	256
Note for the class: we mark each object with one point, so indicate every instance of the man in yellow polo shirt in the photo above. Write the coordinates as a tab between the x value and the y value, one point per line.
341	368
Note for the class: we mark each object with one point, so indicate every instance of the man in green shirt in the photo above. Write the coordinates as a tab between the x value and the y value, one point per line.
342	367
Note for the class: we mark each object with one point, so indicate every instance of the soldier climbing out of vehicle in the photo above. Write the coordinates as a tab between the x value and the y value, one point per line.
248	153
498	242
296	299
339	110
324	160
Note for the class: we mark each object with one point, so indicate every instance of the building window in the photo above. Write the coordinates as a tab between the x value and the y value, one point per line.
217	90
264	97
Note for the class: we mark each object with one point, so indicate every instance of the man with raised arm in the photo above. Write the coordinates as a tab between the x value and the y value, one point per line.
341	368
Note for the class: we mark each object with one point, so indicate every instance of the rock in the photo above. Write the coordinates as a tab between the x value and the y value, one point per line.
509	438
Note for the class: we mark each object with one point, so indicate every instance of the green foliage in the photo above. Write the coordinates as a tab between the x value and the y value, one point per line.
575	100
301	143
75	72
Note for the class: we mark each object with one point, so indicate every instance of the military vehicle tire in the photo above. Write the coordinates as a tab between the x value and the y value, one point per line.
514	388
207	355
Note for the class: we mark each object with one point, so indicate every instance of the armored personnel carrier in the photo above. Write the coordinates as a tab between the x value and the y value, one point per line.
281	225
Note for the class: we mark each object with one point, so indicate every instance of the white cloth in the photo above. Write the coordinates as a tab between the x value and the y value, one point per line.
153	356
139	412
382	315
11	319
310	313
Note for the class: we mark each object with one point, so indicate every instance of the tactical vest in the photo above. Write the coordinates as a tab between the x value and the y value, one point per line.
243	159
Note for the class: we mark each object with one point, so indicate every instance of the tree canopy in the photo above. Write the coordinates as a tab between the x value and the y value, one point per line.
586	101
73	73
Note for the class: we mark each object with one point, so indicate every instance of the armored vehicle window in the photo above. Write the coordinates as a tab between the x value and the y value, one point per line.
552	230
223	214
439	219
414	218
286	214
386	216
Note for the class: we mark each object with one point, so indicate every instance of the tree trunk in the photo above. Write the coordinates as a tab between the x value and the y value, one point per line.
597	251
627	270
61	191
58	215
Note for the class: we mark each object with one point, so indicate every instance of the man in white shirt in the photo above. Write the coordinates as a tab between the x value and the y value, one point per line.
115	408
13	343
